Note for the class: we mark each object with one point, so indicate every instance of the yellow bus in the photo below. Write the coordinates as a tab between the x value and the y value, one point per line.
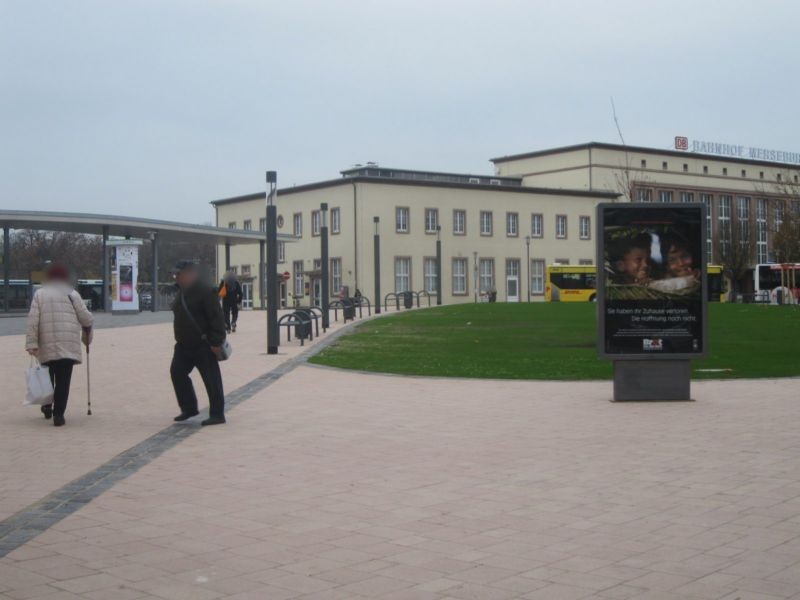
571	283
578	283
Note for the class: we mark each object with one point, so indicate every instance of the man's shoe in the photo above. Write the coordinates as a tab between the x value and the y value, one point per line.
58	421
213	421
47	411
233	327
186	415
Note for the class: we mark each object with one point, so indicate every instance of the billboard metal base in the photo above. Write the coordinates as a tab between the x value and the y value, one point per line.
648	380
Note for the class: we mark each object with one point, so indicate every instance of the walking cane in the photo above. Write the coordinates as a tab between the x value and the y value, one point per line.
88	376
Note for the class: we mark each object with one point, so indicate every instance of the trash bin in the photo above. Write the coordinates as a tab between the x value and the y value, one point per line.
349	309
408	300
303	329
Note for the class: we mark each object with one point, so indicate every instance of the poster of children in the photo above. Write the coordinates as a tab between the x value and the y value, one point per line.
652	279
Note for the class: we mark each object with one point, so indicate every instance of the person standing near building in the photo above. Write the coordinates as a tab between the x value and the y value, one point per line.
199	332
230	290
57	323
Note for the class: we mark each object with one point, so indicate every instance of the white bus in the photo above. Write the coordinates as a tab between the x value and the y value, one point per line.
777	283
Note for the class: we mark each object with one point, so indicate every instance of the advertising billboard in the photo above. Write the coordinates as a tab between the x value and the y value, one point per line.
124	276
651	281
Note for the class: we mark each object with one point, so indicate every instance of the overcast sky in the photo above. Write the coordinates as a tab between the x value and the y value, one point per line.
155	107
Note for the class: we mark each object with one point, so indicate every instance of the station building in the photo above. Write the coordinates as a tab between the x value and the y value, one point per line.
499	232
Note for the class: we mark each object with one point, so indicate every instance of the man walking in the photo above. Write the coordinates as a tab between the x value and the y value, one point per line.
199	332
230	290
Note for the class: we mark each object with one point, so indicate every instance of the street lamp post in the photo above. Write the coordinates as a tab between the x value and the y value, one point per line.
273	285
438	265
528	261
323	236
377	245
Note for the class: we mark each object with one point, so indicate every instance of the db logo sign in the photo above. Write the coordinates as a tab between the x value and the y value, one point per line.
653	345
681	143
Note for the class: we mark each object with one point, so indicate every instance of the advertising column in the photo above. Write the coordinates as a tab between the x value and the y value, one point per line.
652	297
125	276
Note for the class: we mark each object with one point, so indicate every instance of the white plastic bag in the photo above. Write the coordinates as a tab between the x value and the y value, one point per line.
40	388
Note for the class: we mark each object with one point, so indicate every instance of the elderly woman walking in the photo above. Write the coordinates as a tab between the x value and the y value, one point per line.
57	323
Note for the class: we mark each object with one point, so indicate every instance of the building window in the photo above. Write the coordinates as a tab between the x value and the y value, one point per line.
232	225
248	225
486	275
402	274
562	261
234	269
644	195
585	261
777	214
281	252
724	170
431	220
685	168
262	225
664	165
705	169
761	174
664	196
486	222
687	197
707	199
537	276
512	224
316	222
336	276
245	270
401	214
429	271
724	217
459	276
298	225
561	226
743	218
459	222
644	164
761	230
744	173
297	271
585	226
779	177
537	225
336	220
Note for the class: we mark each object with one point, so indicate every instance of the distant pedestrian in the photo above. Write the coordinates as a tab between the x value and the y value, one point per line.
199	332
58	322
230	290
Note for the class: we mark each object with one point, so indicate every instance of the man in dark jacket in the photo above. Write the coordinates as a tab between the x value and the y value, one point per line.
230	290
199	332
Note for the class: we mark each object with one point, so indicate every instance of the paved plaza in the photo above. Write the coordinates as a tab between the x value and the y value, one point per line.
331	484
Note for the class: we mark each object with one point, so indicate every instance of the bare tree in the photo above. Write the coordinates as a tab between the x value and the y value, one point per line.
735	248
786	235
626	180
31	250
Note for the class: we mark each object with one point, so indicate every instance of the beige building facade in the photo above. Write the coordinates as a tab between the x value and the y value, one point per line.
497	235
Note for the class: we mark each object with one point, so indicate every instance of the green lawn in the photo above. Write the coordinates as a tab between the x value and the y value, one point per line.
552	341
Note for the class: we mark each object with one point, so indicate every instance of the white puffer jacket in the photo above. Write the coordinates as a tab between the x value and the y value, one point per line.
54	323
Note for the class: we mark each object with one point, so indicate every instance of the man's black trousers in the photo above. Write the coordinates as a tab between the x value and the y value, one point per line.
183	361
60	376
231	311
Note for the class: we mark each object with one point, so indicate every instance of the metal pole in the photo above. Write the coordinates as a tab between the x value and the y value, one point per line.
438	265
273	289
528	258
323	238
262	283
106	272
154	244
6	267
377	245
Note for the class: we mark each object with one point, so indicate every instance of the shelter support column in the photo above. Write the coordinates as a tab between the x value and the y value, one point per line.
106	272
154	300
6	267
227	256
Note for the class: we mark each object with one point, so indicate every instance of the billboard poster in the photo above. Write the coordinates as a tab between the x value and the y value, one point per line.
651	280
124	296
